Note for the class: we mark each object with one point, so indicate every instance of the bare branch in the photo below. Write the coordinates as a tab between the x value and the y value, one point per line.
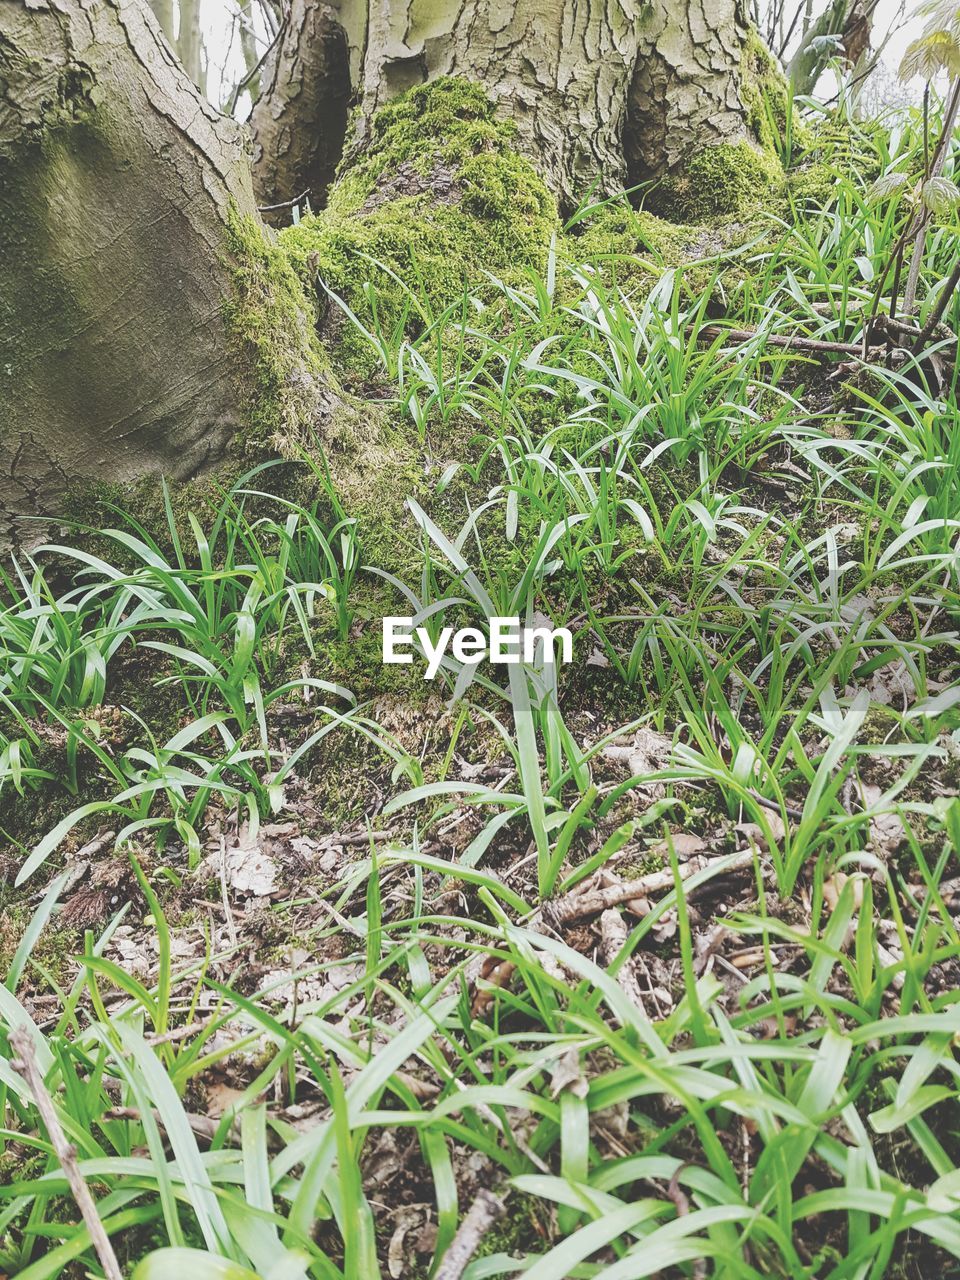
25	1064
481	1216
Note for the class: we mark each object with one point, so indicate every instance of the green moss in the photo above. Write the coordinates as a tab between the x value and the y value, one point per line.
815	183
726	180
766	95
439	197
274	326
629	245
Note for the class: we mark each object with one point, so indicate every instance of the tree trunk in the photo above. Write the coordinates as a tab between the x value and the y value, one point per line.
117	181
615	90
300	121
690	83
143	313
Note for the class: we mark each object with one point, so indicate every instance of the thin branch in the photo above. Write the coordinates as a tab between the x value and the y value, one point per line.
25	1064
946	295
284	204
481	1216
575	906
242	84
797	341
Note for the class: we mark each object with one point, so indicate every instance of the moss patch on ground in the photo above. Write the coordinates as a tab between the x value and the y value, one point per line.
732	179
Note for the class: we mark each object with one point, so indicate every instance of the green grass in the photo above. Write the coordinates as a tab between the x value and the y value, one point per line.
750	1072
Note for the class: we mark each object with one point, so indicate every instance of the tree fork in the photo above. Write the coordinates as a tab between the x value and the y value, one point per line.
615	90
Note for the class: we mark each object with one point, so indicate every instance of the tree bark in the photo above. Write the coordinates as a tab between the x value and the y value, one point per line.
615	90
300	120
116	181
687	90
121	190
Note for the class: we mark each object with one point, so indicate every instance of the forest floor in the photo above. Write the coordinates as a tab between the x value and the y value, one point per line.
659	947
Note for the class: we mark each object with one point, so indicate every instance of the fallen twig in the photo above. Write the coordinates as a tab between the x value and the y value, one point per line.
797	340
574	906
345	838
202	1127
613	937
25	1064
482	1214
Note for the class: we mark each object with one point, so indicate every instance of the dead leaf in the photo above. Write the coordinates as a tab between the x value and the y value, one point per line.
221	1097
249	870
892	684
754	833
422	1090
497	972
686	844
748	959
567	1076
833	887
408	1216
886	828
648	753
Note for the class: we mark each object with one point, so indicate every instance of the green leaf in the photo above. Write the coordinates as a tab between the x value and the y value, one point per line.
190	1264
940	195
887	1119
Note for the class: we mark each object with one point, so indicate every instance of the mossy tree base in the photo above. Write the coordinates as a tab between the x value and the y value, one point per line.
117	240
613	92
149	318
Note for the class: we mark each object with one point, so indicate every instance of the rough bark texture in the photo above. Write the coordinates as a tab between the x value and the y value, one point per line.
687	91
116	178
615	89
559	68
300	120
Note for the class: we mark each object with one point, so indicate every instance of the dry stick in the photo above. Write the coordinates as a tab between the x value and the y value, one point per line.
797	340
946	295
202	1127
25	1064
481	1216
225	896
354	837
574	906
284	204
